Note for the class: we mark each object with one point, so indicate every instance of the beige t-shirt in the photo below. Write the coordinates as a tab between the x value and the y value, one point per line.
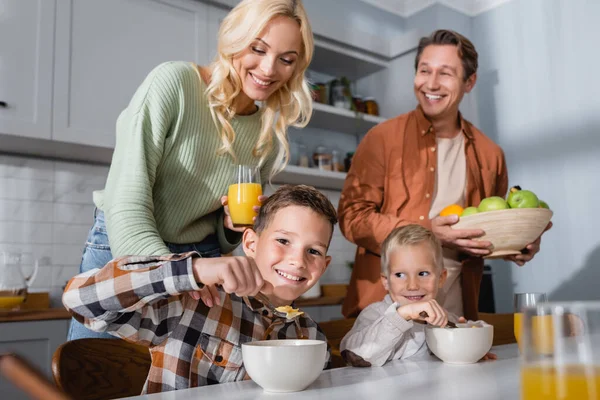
450	188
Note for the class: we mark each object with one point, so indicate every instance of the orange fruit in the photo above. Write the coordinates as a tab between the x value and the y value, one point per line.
452	209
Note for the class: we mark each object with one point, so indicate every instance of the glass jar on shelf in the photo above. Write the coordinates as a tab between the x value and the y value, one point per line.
322	159
303	160
348	160
340	94
371	106
336	161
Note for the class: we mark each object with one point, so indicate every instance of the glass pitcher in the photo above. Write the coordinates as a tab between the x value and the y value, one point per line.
14	283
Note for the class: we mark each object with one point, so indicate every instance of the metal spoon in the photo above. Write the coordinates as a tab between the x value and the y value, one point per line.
265	300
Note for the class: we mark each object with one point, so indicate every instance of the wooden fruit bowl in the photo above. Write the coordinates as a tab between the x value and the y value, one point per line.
510	230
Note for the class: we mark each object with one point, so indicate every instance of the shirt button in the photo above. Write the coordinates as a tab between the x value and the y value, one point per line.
218	359
265	312
427	195
421	218
433	149
432	169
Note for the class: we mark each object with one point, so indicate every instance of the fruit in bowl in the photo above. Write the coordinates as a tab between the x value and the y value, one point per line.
493	203
288	365
465	344
509	229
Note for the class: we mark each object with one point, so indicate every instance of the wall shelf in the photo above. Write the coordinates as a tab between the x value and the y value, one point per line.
335	60
341	120
295	175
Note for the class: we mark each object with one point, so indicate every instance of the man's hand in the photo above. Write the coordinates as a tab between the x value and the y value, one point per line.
436	315
529	251
460	239
238	275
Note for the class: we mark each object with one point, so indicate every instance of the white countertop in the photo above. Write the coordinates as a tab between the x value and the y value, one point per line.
415	380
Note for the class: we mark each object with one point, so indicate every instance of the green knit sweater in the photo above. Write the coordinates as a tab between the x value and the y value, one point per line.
166	179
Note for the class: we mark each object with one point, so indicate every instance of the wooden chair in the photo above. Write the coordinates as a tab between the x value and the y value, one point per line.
100	369
27	378
504	327
335	331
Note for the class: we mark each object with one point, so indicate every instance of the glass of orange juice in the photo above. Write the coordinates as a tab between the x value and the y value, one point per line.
522	301
243	195
566	367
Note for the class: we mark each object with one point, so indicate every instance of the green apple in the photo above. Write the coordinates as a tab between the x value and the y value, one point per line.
523	199
543	204
513	190
492	204
469	211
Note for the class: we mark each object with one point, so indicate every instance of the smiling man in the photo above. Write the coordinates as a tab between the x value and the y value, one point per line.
407	169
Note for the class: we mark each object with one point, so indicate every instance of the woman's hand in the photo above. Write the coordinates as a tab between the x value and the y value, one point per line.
228	223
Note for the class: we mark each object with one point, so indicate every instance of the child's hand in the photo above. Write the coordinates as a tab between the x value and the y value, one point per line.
228	223
208	294
238	275
436	315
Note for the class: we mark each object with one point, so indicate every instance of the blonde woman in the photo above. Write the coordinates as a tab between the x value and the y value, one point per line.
184	128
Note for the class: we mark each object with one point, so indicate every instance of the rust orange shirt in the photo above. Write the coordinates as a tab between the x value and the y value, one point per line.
391	183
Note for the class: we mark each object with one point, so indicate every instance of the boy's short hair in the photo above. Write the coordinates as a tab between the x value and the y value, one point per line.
295	195
466	49
406	236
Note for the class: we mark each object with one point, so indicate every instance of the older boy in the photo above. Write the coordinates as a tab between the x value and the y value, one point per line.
143	299
412	272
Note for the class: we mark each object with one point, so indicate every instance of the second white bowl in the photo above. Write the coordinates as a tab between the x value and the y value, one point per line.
463	345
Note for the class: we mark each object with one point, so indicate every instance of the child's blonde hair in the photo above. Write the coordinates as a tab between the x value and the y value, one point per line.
290	105
406	236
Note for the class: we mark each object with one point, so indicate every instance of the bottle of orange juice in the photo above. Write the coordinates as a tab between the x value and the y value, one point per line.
243	195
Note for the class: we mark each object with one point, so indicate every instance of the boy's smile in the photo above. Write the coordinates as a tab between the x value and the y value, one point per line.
414	275
291	252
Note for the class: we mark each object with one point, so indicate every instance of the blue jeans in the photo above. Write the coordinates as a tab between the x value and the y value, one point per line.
96	254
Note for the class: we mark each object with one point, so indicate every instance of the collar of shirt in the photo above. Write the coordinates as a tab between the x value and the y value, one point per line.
425	126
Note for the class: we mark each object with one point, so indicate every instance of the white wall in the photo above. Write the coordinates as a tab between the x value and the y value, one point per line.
46	209
539	65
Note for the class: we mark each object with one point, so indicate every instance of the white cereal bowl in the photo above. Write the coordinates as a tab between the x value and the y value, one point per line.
463	345
288	365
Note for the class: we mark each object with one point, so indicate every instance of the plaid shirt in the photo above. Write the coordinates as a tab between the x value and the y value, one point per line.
143	300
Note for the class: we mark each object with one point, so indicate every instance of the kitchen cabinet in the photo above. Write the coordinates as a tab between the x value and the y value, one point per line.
104	50
36	341
26	62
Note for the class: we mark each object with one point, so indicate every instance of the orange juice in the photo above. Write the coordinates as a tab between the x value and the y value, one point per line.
571	382
543	332
10	302
242	197
518	326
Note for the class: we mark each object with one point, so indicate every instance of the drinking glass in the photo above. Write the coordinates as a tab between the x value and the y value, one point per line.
561	356
243	195
521	301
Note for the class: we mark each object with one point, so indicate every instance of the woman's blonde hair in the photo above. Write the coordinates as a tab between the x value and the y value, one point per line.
292	101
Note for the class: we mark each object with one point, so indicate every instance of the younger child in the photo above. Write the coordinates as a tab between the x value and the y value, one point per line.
144	300
412	272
